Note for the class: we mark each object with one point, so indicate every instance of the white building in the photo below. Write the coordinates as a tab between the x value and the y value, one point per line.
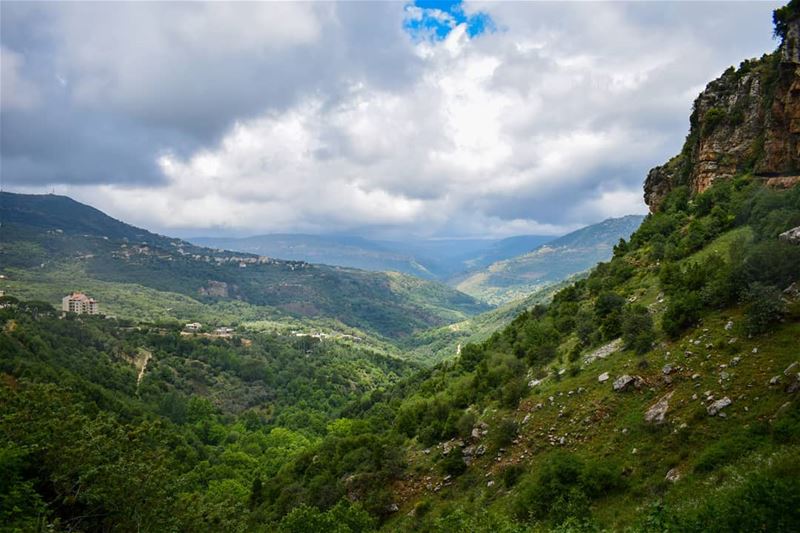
79	303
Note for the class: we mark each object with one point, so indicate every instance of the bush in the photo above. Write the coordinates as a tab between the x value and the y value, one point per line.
637	329
681	313
564	487
453	463
764	307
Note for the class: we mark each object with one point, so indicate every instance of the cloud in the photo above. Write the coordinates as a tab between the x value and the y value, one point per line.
17	92
331	117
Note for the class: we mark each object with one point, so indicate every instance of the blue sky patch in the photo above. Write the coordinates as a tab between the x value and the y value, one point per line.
435	19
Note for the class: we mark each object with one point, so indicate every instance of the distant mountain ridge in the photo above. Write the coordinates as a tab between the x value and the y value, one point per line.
42	237
554	261
426	258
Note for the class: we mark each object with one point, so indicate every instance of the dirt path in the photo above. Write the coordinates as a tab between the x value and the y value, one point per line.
141	364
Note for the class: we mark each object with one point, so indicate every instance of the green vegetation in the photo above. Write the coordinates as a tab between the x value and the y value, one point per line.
51	245
512	279
268	431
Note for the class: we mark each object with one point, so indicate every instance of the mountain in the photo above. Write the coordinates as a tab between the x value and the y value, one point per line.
748	120
346	251
509	279
44	240
658	393
425	258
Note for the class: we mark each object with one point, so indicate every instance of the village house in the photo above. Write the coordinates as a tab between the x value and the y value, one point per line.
193	327
80	304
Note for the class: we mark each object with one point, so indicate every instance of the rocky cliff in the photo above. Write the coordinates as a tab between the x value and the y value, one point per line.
748	120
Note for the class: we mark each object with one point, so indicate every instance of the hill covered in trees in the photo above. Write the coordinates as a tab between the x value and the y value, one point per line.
50	245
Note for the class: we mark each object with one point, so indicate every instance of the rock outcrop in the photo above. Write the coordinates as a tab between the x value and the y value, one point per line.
748	120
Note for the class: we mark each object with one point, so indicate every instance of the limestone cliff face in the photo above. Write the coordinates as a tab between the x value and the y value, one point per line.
748	120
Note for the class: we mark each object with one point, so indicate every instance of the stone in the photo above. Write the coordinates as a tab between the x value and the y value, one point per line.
791	236
735	361
667	370
534	383
656	413
480	450
775	380
625	381
673	475
695	376
791	369
729	325
716	407
392	508
490	483
602	378
794	386
604	351
526	419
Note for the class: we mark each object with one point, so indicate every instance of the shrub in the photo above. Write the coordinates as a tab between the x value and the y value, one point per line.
764	307
637	329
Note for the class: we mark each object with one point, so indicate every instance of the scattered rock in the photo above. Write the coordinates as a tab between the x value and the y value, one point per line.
695	376
735	361
534	383
729	325
791	236
657	412
716	407
792	291
623	382
602	378
667	370
791	368
775	380
673	475
490	483
480	450
794	386
392	508
604	351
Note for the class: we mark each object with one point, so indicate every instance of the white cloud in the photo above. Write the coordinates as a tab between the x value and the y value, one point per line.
16	92
319	125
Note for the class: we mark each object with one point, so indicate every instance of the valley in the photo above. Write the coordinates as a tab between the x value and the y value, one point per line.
640	374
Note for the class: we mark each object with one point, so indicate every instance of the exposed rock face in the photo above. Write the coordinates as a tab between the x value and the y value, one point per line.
657	412
792	236
747	120
625	382
715	408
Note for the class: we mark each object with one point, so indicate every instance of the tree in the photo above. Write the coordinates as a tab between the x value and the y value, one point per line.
764	307
637	329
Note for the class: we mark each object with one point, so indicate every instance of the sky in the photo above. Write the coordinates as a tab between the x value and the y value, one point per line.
383	119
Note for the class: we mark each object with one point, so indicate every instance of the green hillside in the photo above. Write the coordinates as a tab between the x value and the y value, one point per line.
524	431
438	344
46	256
659	392
517	277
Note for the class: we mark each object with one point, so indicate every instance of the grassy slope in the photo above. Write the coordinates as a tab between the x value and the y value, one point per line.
604	426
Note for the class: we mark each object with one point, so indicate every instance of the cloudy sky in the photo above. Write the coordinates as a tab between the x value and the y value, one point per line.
385	118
